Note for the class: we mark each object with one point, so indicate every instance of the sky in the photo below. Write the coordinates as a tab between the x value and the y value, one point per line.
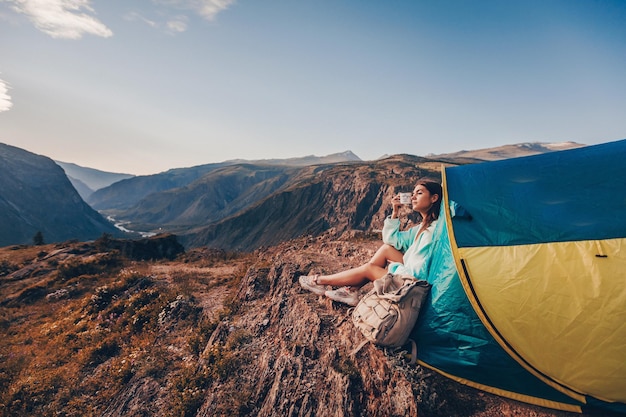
143	86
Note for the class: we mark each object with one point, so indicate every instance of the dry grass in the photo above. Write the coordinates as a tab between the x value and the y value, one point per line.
76	334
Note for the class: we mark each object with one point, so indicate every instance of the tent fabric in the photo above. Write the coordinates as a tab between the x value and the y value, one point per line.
529	295
571	326
453	340
577	194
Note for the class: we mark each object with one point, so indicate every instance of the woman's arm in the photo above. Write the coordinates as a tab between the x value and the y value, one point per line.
392	235
391	228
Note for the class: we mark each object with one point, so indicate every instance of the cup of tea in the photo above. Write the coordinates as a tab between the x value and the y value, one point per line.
405	198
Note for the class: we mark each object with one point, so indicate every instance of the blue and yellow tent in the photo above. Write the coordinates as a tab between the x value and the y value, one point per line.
529	288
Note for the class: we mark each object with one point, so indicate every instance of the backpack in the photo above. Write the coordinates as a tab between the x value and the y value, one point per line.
387	314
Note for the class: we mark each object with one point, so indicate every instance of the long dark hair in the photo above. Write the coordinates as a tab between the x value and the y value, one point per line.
433	187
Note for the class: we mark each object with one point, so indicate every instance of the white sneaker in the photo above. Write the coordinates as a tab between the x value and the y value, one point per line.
309	282
346	295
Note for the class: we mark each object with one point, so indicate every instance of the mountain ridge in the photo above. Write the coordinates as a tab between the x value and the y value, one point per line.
192	211
124	194
511	151
216	195
36	196
88	180
338	197
231	204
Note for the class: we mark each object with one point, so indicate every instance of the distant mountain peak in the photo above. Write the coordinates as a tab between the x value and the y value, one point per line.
557	146
345	156
349	155
87	180
510	151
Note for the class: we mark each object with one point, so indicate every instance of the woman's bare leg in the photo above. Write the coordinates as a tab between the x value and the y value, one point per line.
375	268
385	254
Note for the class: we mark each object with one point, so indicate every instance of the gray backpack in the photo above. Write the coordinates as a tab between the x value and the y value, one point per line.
387	314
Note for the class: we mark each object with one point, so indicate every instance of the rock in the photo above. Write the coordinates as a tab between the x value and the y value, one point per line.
136	400
295	357
302	346
58	294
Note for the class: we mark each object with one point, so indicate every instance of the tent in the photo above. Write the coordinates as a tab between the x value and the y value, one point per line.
529	279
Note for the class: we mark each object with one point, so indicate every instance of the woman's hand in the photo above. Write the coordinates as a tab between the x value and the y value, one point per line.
396	205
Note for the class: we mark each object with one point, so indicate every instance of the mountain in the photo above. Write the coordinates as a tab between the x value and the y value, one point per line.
345	156
511	151
216	195
233	207
233	204
126	193
338	197
83	189
88	180
36	196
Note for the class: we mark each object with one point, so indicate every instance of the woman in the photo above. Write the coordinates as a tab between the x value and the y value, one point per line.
402	252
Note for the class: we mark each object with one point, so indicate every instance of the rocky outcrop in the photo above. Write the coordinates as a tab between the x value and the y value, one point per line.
294	357
293	350
163	246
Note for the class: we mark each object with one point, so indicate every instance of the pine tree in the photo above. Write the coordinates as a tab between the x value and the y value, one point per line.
38	238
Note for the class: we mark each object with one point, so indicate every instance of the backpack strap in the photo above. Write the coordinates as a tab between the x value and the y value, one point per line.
413	354
345	317
359	347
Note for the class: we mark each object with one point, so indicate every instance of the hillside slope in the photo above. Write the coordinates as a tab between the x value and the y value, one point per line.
93	333
232	206
339	197
88	180
127	193
36	195
218	194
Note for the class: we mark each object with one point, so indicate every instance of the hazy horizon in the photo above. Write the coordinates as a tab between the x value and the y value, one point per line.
556	145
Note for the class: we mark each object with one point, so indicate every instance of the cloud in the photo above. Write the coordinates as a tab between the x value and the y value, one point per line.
174	25
207	9
134	16
171	23
177	24
66	19
5	98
